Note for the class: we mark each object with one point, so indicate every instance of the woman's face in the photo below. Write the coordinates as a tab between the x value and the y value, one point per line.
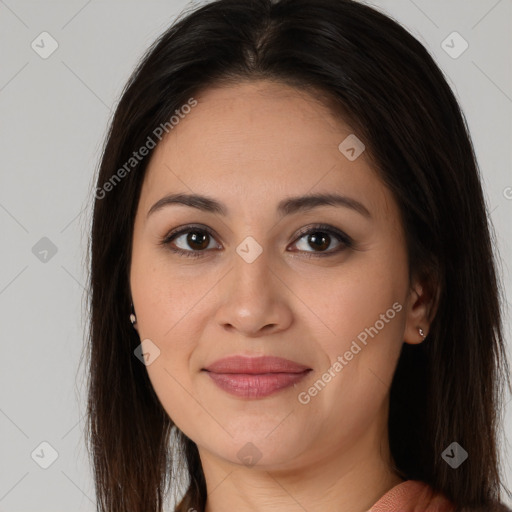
266	280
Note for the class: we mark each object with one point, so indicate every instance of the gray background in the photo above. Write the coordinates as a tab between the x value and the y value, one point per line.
54	115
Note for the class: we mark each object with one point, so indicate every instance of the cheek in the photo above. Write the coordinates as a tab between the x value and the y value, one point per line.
164	294
362	300
362	317
173	387
162	305
361	350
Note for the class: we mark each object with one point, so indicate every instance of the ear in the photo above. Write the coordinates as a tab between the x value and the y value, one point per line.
420	310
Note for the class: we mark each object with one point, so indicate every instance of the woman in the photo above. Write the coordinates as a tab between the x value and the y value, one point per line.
292	272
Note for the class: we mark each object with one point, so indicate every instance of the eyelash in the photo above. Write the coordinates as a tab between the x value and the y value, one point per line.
345	240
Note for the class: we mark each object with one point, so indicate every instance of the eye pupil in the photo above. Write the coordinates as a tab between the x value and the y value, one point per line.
322	240
196	237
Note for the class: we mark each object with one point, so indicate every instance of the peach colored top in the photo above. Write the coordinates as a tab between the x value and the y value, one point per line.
413	496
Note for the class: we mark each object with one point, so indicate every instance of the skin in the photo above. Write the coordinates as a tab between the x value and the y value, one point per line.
250	146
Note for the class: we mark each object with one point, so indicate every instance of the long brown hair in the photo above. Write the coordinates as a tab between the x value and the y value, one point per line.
375	74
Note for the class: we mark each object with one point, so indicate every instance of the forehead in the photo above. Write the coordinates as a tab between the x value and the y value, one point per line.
266	113
254	138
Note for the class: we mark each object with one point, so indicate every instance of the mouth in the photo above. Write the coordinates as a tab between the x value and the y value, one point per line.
255	377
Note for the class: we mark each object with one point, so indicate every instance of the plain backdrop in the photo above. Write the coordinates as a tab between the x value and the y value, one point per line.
54	111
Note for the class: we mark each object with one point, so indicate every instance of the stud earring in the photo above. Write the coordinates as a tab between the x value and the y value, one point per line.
133	318
422	334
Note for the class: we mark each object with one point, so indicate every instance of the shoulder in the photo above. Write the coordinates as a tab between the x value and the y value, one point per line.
413	496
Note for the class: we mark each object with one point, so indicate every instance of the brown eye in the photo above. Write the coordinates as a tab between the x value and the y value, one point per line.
320	238
197	240
189	241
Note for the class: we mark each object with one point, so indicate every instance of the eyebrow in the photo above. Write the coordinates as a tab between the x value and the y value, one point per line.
287	206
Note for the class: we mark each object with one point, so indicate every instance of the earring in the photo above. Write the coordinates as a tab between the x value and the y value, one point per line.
420	330
133	318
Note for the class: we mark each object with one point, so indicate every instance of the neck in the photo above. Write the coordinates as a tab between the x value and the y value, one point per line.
343	479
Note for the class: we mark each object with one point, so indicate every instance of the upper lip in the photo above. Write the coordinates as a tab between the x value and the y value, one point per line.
254	365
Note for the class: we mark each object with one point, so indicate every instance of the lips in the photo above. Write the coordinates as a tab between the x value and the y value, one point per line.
255	377
253	365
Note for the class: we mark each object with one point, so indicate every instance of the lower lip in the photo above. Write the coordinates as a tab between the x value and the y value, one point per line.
255	385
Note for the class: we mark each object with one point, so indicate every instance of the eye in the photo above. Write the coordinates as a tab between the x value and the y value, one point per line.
196	238
320	237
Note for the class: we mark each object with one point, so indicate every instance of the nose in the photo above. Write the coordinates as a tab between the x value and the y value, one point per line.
254	301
